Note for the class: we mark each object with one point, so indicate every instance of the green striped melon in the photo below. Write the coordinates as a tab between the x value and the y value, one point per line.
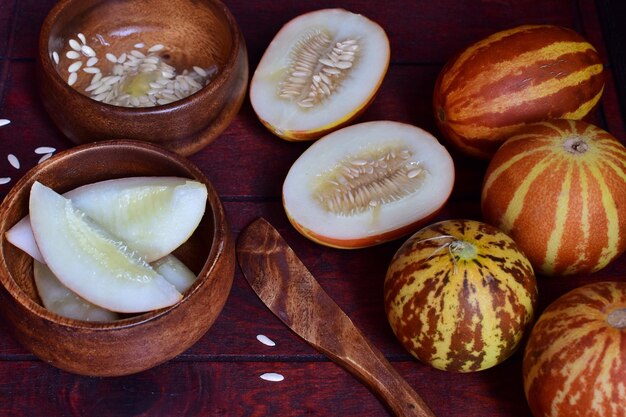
558	188
459	295
517	76
575	359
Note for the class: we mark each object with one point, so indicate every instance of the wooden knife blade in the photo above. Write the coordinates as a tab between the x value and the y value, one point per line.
291	292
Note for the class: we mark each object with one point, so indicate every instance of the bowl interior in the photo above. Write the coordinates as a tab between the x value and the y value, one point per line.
193	33
88	164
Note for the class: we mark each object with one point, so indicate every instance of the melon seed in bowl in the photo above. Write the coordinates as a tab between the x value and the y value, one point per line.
139	77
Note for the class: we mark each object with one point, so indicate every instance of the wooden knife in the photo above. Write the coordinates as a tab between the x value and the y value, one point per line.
291	292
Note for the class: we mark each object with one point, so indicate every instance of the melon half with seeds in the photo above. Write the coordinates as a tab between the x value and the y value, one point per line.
367	184
320	71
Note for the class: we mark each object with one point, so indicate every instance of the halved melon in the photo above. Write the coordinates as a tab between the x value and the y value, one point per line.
320	71
90	261
367	184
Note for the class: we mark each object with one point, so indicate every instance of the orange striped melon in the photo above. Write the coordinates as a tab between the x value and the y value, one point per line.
522	75
575	360
459	295
558	188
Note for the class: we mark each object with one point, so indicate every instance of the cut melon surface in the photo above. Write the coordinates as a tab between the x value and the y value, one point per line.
90	261
175	272
152	215
60	300
321	70
368	183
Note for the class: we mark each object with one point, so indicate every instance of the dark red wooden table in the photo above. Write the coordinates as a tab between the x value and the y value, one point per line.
220	375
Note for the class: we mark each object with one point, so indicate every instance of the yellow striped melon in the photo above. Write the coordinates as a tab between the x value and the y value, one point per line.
558	188
517	76
575	359
459	295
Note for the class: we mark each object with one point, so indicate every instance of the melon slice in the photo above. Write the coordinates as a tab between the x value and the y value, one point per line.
368	183
175	272
59	299
320	71
90	261
152	215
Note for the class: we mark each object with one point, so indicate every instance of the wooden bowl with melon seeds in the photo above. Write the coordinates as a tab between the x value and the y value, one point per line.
170	72
136	342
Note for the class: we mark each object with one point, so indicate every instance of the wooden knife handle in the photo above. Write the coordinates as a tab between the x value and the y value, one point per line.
369	365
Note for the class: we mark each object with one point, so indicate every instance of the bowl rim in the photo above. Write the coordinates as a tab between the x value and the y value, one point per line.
216	84
204	276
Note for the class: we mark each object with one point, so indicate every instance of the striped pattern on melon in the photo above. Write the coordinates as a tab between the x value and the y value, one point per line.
575	359
558	188
522	75
459	295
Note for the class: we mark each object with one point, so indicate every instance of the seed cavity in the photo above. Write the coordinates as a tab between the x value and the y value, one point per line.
319	64
363	182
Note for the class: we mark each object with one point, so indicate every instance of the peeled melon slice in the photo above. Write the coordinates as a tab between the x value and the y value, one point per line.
152	215
90	261
175	272
368	183
320	71
21	236
59	299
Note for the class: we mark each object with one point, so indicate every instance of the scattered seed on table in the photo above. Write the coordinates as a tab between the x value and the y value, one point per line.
15	163
265	340
272	376
5	180
4	122
44	149
43	158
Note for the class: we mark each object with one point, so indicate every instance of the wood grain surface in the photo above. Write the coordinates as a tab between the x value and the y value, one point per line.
220	374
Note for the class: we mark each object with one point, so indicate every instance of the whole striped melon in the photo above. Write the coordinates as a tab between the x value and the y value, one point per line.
558	188
517	76
459	295
575	360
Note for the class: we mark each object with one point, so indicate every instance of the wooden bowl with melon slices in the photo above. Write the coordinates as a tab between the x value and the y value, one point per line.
78	248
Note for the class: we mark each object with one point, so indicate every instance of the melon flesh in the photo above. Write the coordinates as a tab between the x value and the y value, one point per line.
175	272
399	177
90	261
152	215
59	299
352	90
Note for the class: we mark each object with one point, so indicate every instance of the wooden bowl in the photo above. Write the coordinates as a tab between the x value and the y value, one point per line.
194	33
139	342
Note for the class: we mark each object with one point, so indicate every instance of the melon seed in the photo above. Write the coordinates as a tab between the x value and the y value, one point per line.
318	65
373	178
